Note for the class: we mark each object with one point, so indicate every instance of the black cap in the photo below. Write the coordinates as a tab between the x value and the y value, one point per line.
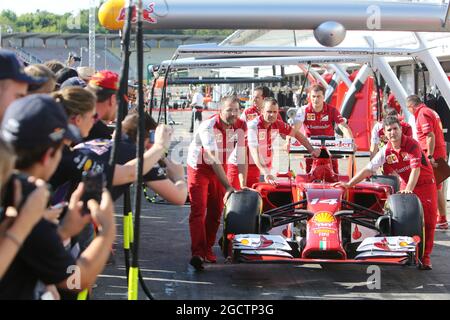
12	68
37	120
64	74
74	82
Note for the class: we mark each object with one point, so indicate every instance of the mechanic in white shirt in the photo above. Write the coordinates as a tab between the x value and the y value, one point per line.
213	143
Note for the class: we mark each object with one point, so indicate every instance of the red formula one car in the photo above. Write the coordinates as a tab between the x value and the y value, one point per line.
304	219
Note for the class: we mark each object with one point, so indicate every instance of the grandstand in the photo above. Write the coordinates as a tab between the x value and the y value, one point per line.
41	47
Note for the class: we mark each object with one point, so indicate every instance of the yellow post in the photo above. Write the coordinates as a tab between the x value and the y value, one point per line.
83	295
131	226
126	232
133	284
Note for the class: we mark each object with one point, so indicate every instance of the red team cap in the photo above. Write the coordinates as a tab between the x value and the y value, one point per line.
105	79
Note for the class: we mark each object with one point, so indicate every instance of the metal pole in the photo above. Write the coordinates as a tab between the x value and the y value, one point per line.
106	43
92	34
134	269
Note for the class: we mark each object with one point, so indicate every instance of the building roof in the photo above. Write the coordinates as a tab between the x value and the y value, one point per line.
147	37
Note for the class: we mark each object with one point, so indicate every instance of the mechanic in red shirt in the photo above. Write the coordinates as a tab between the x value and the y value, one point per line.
259	94
378	138
431	139
319	119
249	114
214	141
403	156
263	130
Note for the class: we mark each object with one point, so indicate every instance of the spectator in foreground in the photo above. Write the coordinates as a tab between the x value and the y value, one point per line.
13	80
38	145
14	227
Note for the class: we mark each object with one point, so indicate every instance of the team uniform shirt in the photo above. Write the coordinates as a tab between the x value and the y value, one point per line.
253	112
378	137
410	156
262	138
319	123
211	135
94	156
427	120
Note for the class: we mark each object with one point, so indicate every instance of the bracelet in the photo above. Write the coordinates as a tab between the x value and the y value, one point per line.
13	238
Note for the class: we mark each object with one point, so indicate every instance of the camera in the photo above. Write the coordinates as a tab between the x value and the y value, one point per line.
94	183
8	196
75	58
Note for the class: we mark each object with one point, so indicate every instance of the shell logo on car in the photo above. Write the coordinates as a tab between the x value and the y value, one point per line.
245	242
324	217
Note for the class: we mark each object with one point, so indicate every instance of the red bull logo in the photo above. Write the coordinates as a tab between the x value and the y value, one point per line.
147	12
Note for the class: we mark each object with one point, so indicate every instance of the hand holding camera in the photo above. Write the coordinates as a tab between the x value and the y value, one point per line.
34	204
74	221
163	136
103	212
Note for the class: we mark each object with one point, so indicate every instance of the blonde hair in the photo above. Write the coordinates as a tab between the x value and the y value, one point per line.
41	71
7	159
75	100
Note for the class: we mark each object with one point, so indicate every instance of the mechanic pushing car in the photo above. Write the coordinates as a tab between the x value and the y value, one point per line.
249	114
262	131
208	154
402	155
378	138
319	119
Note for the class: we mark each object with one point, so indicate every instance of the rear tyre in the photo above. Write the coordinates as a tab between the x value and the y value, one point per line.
407	217
241	215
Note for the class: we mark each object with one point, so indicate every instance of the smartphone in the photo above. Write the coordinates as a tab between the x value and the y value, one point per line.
93	186
59	205
94	183
151	136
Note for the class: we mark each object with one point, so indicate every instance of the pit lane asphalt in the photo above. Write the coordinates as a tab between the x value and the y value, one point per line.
165	253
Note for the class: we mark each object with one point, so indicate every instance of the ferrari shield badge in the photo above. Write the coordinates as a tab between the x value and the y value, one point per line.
392	158
262	135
